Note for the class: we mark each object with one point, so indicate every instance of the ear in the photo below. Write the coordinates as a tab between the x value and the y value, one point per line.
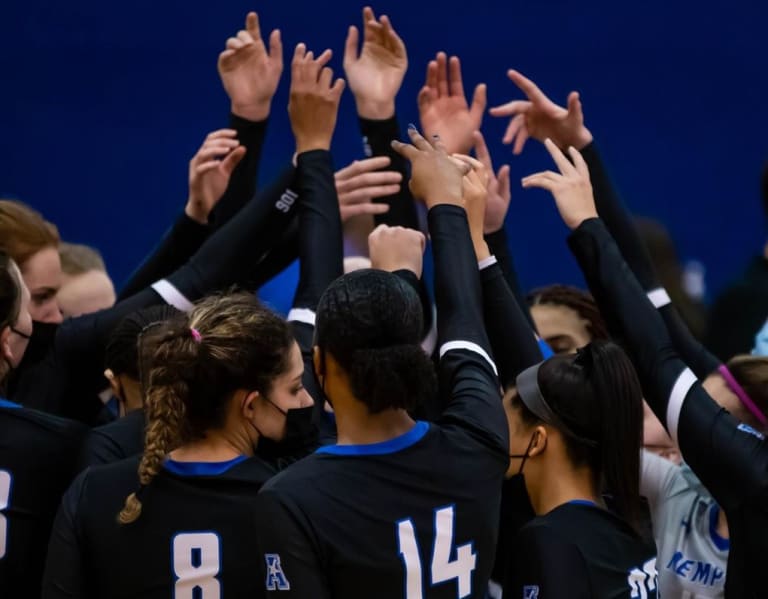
317	361
114	384
540	442
5	344
248	403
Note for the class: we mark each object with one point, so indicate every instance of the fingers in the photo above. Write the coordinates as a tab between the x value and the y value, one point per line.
479	102
418	140
431	81
579	162
299	53
544	180
276	47
510	108
503	181
514	126
338	88
326	76
560	160
366	194
350	211
407	151
213	151
370	180
522	137
442	74
234	43
252	25
394	42
350	47
363	166
456	84
528	87
220	133
574	105
244	37
233	158
474	163
481	150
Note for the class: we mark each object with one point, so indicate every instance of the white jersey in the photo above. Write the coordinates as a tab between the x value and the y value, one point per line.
692	557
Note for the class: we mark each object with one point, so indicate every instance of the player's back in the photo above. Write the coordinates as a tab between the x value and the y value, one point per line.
415	516
38	452
196	530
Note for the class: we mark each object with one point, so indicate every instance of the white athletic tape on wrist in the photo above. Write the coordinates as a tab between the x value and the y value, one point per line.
172	296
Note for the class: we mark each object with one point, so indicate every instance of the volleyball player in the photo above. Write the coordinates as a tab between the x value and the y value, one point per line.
396	508
38	454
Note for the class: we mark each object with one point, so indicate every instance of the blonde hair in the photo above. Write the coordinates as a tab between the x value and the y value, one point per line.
198	360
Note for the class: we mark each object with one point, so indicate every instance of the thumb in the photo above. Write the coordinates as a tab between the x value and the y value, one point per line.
350	48
479	101
232	160
574	104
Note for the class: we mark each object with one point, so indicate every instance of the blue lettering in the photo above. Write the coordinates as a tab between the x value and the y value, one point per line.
717	575
702	572
682	569
673	562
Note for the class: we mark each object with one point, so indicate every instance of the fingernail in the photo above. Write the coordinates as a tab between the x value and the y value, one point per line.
411	126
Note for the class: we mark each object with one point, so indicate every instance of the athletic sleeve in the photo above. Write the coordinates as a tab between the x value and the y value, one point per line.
547	567
466	372
288	551
514	343
377	141
63	578
656	478
182	240
729	458
499	247
618	220
99	449
242	183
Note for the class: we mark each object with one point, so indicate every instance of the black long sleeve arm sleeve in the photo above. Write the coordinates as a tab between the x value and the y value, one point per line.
618	220
467	374
513	341
377	141
730	458
499	247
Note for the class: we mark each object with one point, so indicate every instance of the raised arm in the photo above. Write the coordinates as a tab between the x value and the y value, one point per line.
466	368
540	118
730	459
375	74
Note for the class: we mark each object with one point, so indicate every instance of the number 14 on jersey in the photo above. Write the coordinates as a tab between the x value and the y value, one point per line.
443	569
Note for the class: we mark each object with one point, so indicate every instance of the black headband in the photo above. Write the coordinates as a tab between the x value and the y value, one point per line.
527	383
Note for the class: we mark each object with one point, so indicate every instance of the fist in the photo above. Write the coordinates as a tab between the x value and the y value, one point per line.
396	248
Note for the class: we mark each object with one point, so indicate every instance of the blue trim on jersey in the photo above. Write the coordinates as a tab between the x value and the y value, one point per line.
412	437
721	543
201	468
4	403
546	351
582	502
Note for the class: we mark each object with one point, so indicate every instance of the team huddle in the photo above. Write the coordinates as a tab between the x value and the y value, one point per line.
396	435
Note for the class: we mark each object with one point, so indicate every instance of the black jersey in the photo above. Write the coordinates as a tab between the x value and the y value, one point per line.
729	458
415	516
115	441
581	551
38	453
195	532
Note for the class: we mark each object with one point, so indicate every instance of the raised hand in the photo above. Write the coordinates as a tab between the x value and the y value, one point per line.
570	187
436	178
540	118
314	100
209	172
443	108
249	73
396	248
361	182
376	73
499	192
475	187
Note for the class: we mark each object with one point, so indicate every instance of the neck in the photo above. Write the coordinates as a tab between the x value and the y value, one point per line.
722	524
216	446
568	485
358	427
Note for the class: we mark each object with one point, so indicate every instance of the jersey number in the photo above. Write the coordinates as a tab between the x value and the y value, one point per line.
5	502
196	563
642	583
443	568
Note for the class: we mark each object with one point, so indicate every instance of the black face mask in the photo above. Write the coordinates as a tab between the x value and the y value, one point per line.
40	343
300	435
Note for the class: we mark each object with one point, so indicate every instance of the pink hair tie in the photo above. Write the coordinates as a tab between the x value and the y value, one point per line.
734	386
196	334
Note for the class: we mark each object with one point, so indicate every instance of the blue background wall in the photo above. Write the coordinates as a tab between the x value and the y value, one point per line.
103	104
